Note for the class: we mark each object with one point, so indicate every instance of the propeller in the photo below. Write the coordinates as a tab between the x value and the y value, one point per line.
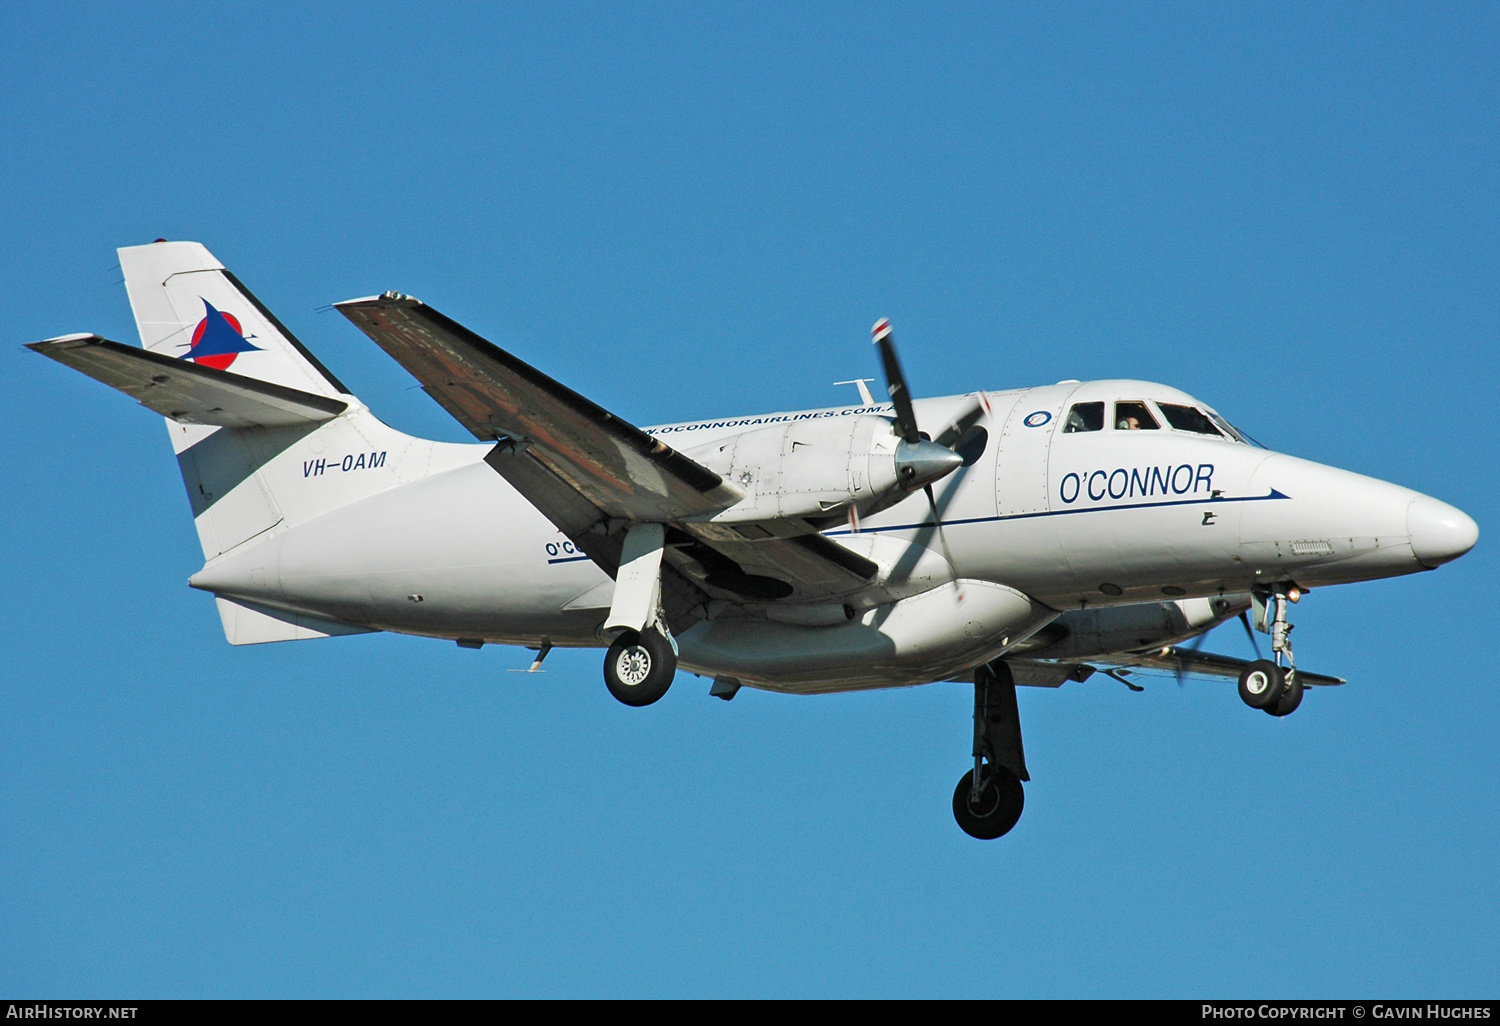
920	461
895	382
1250	633
1191	646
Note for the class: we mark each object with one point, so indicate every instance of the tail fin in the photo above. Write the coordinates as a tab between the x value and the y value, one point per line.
249	441
244	473
187	306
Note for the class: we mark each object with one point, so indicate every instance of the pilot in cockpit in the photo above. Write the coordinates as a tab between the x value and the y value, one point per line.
1133	416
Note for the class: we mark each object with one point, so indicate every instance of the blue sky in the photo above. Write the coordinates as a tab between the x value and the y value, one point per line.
695	210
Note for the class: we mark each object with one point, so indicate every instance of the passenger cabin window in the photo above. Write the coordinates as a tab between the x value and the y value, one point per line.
1084	417
1133	416
1187	418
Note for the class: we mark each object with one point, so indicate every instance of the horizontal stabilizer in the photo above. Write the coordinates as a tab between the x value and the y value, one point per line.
188	392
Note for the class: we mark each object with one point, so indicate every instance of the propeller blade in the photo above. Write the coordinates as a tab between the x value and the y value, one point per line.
895	382
955	431
1191	646
1250	633
943	539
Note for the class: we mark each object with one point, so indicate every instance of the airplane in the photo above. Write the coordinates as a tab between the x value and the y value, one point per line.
1027	537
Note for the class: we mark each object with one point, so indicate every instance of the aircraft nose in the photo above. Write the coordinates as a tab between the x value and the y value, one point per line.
1439	532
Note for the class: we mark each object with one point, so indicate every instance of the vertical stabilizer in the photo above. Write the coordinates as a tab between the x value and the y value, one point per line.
187	306
243	481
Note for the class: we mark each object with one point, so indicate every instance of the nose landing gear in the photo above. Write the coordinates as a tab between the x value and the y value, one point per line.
1266	684
989	798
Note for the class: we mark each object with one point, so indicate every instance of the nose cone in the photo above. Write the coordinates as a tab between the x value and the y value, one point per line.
1439	532
920	463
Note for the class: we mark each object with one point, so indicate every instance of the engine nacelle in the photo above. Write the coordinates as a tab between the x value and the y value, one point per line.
1089	633
806	468
924	638
819	468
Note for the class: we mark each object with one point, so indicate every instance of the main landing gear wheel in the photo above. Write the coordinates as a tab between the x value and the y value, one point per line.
639	666
997	807
1261	685
990	810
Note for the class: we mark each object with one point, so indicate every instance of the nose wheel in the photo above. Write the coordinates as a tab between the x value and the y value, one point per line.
1266	684
1270	688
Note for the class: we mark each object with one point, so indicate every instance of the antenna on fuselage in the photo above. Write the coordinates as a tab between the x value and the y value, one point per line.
863	384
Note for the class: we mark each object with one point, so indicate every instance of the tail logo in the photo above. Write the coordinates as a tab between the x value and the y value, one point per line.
218	339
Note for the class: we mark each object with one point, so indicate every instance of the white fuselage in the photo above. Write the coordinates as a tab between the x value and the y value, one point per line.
434	542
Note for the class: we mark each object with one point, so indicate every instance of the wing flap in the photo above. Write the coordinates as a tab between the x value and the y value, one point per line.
185	391
802	568
617	467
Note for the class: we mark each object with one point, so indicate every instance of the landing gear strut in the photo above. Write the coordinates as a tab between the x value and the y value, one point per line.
639	666
989	799
1266	684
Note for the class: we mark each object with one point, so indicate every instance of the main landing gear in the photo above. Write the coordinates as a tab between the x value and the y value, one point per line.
1266	684
989	799
639	666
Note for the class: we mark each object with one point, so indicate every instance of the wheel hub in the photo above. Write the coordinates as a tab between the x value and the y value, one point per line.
986	802
633	666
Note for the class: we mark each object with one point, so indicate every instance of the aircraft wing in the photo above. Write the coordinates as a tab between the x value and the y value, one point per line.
1180	659
1173	660
617	467
185	391
583	466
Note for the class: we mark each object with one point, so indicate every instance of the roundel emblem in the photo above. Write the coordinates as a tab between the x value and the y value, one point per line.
218	339
1037	419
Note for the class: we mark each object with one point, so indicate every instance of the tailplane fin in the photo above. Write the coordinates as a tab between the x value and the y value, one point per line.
189	307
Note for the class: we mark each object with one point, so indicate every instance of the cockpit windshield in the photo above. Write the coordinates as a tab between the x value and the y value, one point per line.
1188	418
1141	415
1133	415
1232	431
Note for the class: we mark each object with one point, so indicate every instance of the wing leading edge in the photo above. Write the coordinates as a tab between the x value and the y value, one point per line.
590	472
620	469
1175	660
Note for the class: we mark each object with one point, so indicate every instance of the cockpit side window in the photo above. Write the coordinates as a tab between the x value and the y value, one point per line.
1132	415
1188	418
1084	417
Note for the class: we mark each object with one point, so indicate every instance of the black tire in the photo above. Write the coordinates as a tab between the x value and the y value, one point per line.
639	667
1291	697
1261	684
999	807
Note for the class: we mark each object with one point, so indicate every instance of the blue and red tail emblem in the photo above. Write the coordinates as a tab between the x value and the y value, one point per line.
218	339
